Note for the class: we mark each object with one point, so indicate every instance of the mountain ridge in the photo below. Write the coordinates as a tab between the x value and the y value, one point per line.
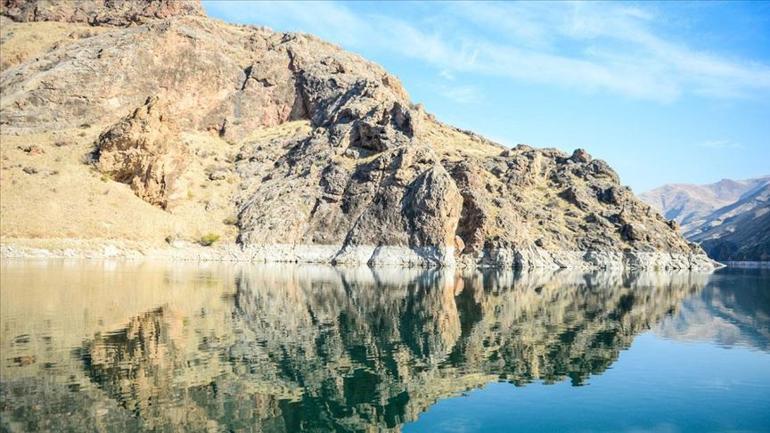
292	148
688	204
738	230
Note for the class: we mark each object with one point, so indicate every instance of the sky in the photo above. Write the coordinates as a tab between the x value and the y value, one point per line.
669	92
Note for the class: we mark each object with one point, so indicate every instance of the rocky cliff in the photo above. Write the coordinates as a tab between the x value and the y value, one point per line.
169	125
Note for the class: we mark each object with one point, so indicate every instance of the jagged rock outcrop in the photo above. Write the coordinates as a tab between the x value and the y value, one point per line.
143	150
98	12
371	178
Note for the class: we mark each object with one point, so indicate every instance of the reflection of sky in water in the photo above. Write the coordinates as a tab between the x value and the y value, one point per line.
135	346
733	309
703	369
657	385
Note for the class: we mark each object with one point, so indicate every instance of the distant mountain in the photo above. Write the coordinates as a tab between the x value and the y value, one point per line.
690	205
738	230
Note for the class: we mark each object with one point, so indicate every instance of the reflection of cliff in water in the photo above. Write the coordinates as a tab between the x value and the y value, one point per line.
327	350
733	309
290	349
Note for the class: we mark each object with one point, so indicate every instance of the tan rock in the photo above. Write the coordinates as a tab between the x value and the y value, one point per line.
144	151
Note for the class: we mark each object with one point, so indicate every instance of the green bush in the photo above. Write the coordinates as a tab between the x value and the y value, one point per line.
208	239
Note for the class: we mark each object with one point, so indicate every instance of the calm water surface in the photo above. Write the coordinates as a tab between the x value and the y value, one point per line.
113	347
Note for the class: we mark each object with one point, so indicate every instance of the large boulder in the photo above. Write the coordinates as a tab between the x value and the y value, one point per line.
144	151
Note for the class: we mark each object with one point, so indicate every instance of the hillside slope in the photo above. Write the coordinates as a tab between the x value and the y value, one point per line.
729	219
740	231
690	205
145	138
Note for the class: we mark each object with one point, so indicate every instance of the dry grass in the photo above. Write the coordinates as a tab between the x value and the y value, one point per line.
56	194
22	41
285	130
456	144
67	198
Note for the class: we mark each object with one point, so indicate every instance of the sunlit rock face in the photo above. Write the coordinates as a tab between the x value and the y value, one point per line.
98	12
290	349
369	177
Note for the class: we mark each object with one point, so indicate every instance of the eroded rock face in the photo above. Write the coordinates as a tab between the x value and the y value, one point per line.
144	151
98	12
371	179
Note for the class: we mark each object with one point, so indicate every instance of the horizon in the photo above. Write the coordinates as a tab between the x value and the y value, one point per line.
685	82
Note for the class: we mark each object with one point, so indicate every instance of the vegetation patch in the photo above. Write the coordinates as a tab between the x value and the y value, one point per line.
209	239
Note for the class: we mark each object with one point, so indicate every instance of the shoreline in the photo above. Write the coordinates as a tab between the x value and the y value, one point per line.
748	264
372	256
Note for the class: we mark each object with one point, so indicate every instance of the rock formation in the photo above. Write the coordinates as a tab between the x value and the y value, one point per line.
142	151
367	177
98	12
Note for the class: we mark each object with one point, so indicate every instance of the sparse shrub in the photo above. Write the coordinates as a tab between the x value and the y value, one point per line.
32	149
208	240
230	221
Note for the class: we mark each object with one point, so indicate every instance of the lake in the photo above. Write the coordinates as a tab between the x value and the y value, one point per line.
214	347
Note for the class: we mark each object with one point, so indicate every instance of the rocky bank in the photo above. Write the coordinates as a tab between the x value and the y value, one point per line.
302	151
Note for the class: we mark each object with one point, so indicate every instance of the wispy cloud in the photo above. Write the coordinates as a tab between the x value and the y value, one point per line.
461	94
446	74
588	47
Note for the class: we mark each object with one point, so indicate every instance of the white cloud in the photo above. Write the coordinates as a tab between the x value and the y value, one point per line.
446	74
590	47
461	94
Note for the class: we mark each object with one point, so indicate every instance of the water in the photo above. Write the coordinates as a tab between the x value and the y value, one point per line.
105	346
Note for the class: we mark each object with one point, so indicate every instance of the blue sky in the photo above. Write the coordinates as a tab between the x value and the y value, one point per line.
665	92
